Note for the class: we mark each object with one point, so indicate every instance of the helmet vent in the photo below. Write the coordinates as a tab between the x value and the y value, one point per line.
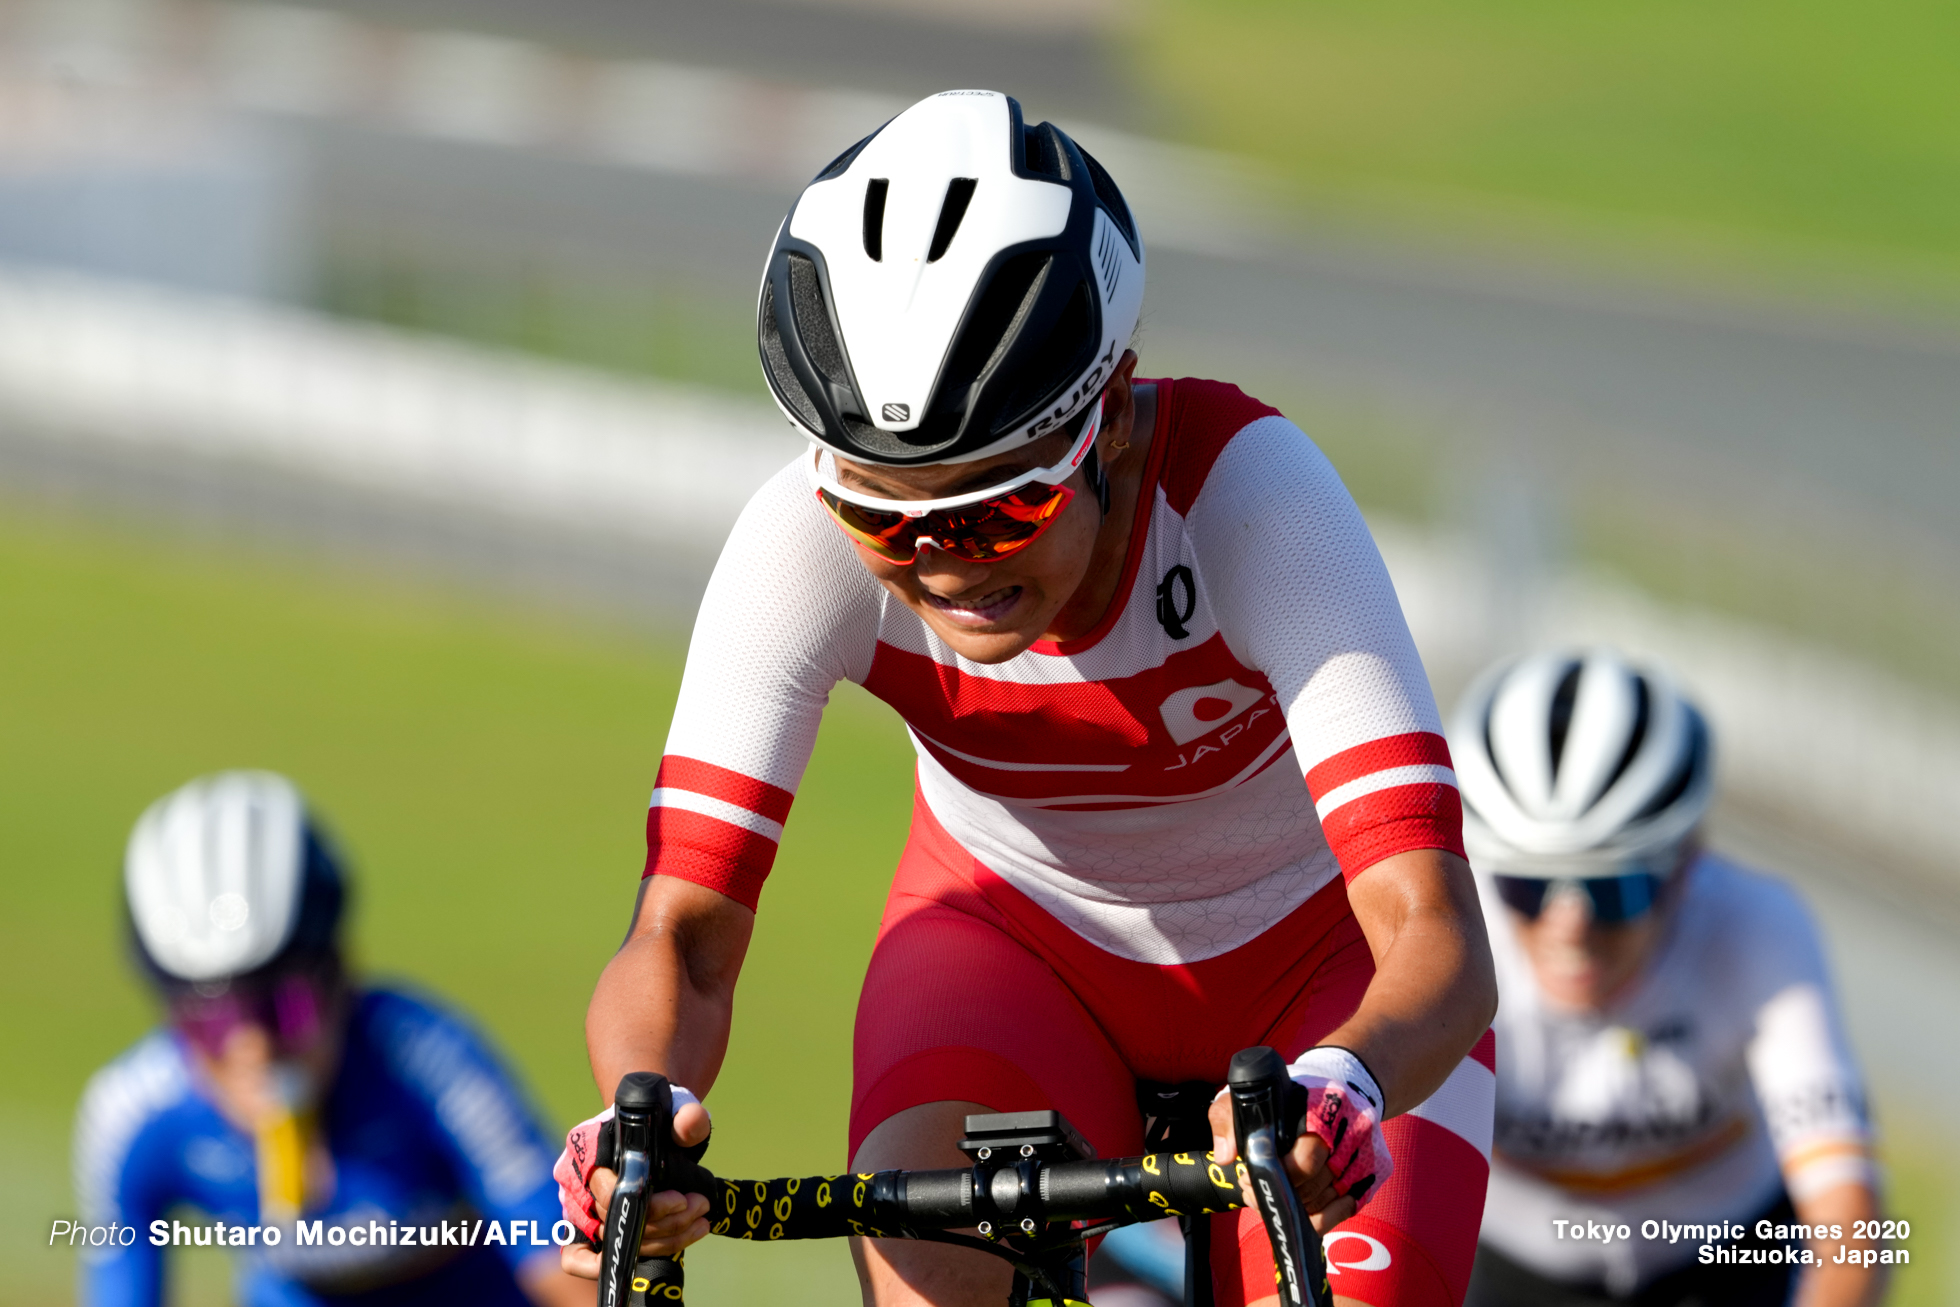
993	325
786	383
1560	717
1042	154
1691	762
891	444
1642	704
813	319
1107	264
1111	198
959	194
1060	357
874	217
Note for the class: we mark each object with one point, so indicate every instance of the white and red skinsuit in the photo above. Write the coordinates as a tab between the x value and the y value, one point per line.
1115	869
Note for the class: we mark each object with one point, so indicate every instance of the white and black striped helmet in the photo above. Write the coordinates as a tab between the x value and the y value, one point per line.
227	875
956	284
1577	757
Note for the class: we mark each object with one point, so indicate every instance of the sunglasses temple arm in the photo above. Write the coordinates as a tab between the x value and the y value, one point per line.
1092	471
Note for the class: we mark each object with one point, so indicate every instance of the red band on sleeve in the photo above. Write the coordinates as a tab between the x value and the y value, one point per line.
1379	815
1485	1052
759	797
1410	750
710	852
1391	821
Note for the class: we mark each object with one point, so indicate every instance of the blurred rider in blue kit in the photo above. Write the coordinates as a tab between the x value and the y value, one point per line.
281	1092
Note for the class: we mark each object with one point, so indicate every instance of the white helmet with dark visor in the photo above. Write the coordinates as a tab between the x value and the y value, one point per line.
1578	768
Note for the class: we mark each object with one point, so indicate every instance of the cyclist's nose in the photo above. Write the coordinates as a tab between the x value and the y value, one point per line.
1567	914
247	1046
948	575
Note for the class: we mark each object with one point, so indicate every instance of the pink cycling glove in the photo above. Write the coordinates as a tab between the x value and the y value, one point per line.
583	1153
1344	1107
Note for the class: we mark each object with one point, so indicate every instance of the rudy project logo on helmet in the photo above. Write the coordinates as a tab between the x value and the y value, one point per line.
896	412
1202	709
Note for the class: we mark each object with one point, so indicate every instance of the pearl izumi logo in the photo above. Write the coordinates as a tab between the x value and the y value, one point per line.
1372	1256
896	412
1177	599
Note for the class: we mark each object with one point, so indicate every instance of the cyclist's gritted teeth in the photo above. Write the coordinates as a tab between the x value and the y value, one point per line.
983	611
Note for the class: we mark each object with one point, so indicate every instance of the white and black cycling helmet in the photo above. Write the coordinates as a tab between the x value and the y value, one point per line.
1575	760
226	877
952	286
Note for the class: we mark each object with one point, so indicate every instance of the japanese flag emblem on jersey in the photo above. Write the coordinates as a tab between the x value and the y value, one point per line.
1202	709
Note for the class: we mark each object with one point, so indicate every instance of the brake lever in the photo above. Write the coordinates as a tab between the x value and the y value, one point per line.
1266	1130
643	1130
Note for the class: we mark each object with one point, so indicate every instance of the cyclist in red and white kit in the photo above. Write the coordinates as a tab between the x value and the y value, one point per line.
1182	787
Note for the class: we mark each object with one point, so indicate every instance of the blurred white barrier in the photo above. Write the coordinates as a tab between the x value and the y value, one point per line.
111	364
103	361
1802	728
200	56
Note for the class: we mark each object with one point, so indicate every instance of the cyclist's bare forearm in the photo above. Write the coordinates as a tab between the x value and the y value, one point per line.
665	1001
1435	989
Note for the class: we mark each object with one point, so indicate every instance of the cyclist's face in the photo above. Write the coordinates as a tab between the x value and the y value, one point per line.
255	1078
989	612
1579	963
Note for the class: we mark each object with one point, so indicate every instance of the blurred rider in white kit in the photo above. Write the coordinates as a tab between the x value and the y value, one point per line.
1669	1045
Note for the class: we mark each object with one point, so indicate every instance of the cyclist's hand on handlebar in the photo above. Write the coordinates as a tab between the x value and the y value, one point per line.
1306	1165
1340	1160
585	1186
674	1221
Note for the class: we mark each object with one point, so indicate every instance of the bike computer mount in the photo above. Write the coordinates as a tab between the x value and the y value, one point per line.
1008	1150
1038	1136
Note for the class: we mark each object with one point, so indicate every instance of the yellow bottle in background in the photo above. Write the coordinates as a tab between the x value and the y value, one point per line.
283	1137
282	1167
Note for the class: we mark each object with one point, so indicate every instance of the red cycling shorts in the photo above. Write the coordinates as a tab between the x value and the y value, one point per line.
974	993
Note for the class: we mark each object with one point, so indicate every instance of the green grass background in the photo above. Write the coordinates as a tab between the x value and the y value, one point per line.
1781	129
486	766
